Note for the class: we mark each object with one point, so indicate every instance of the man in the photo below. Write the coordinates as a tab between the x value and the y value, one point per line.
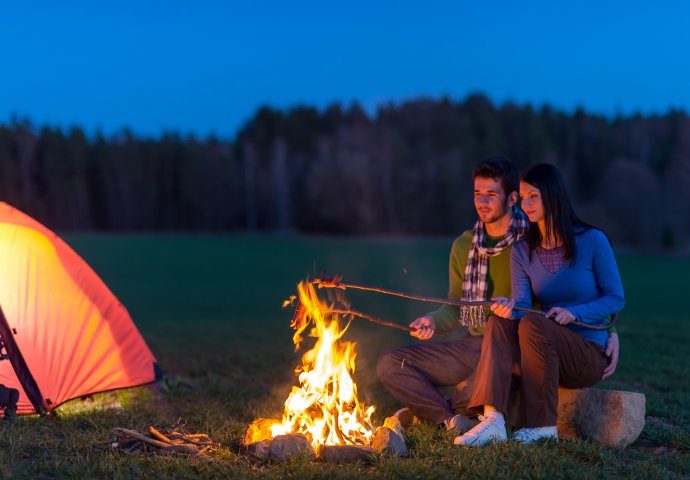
479	270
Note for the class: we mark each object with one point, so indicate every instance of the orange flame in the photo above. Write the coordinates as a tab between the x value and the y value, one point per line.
324	407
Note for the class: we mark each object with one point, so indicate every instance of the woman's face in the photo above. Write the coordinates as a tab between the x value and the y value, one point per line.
531	202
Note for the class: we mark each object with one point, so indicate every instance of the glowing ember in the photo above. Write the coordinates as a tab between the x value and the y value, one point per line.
324	407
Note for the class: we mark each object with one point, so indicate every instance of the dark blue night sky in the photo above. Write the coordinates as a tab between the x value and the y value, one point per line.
205	66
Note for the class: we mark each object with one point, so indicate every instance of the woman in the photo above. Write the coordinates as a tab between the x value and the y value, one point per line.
568	268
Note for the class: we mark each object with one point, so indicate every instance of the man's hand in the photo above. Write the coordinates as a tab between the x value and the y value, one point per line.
612	351
424	327
560	315
502	306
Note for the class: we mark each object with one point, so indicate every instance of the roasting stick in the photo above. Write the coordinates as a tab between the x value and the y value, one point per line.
373	319
335	282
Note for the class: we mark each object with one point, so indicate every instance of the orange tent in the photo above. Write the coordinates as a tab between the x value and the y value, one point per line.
64	333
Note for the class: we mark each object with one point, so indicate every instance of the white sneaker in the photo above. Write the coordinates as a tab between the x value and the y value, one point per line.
491	428
532	435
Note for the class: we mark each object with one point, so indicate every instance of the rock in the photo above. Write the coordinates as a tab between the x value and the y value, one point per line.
389	442
611	417
394	424
259	449
284	447
347	453
259	430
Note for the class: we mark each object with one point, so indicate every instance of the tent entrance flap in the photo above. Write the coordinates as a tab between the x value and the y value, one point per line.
19	365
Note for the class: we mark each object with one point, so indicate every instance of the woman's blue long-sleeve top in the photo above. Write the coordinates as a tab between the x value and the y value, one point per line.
590	288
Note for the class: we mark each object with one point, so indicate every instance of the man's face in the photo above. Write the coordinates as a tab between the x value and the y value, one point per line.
489	199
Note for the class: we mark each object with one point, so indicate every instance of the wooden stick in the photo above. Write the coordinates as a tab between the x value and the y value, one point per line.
144	438
197	435
130	441
372	319
122	442
181	449
334	282
180	423
187	439
159	435
338	433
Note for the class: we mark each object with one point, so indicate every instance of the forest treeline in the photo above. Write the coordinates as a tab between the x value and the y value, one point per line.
403	170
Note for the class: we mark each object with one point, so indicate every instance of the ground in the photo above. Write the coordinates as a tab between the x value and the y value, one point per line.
210	309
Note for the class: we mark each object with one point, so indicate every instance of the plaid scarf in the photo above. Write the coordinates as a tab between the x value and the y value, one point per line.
474	281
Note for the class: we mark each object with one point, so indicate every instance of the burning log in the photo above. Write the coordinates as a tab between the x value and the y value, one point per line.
171	440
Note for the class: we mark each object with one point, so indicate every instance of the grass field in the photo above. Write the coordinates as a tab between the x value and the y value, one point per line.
209	308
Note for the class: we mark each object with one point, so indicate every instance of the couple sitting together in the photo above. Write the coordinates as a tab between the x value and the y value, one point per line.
547	259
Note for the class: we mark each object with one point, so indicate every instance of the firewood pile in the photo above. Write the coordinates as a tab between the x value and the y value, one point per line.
166	441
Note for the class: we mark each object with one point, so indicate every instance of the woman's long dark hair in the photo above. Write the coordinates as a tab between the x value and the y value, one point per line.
562	224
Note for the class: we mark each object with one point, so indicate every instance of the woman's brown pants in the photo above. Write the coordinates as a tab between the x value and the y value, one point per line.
536	355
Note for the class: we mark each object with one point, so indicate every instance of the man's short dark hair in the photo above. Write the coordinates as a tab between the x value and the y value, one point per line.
500	169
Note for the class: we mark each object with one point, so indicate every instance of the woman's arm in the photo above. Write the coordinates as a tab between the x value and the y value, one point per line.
608	280
520	284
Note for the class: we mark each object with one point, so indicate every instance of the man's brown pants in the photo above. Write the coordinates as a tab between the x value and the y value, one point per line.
537	355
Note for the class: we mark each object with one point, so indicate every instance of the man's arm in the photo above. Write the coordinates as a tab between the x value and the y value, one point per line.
446	318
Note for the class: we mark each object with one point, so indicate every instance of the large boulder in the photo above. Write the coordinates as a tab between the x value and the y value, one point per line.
611	417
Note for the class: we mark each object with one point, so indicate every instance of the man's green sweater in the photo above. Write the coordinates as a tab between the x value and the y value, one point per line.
447	317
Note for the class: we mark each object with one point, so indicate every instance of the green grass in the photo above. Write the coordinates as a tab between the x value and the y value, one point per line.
209	308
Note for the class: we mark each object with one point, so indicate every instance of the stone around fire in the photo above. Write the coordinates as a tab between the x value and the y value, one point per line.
293	445
388	442
347	453
259	449
259	430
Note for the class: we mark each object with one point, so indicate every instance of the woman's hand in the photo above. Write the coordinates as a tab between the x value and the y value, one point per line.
612	351
502	306
560	315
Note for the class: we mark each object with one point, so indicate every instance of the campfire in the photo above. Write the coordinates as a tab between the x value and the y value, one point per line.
324	410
